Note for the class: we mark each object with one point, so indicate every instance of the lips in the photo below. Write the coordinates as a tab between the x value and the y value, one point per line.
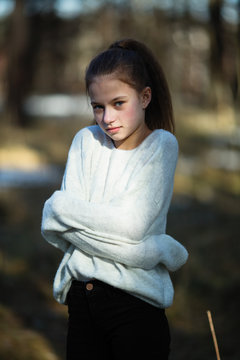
113	130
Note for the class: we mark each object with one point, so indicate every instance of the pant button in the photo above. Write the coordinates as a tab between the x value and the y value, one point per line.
89	286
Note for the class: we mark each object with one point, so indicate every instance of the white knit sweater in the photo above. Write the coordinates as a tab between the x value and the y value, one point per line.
110	216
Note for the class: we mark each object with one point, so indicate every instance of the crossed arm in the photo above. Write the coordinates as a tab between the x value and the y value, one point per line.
145	254
117	230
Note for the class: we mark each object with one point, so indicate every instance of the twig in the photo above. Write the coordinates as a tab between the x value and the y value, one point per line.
213	334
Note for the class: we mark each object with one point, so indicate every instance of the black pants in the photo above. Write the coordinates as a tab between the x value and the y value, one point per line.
107	323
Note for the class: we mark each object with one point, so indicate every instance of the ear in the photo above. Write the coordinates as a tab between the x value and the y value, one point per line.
146	96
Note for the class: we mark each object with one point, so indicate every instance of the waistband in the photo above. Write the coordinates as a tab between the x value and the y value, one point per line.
94	282
96	287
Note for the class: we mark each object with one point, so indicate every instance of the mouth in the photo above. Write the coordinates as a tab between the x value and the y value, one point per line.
113	130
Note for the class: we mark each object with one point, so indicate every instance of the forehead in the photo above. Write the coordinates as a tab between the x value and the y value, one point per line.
107	87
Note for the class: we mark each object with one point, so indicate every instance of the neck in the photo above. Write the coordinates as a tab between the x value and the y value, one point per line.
130	142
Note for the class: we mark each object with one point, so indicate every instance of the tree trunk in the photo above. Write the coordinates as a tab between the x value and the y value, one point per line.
217	48
238	64
16	72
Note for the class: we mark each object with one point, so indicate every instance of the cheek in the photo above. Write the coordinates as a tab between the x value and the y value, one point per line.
99	122
98	118
133	115
130	113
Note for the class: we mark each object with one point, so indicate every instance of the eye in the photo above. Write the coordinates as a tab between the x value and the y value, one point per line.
97	107
118	103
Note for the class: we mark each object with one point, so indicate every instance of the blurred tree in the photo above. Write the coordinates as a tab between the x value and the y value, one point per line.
217	49
225	58
18	73
34	30
23	44
48	53
237	86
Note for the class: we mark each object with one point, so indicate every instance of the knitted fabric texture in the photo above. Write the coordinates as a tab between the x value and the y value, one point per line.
109	218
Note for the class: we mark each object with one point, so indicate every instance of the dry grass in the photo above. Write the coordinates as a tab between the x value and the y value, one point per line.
20	343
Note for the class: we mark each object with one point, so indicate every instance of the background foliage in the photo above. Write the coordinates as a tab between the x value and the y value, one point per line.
44	50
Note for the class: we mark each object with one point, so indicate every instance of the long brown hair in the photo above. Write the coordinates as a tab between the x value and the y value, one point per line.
134	64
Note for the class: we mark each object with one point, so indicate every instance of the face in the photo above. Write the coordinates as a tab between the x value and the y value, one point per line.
120	110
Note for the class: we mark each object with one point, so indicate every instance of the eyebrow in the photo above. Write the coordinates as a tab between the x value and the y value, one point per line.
121	97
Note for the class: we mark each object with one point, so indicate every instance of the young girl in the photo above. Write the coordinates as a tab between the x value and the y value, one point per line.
110	216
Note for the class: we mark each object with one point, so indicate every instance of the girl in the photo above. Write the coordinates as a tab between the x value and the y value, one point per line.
110	216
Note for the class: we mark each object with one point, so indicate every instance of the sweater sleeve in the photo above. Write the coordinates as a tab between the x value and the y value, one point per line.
156	249
113	243
126	218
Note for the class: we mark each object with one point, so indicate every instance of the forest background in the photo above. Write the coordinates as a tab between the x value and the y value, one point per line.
45	46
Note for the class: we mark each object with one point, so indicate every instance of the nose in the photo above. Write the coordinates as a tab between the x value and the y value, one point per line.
108	116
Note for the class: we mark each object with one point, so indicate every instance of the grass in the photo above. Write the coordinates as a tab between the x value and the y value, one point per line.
19	342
